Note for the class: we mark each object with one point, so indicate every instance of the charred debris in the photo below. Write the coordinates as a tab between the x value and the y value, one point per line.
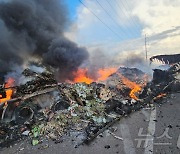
42	109
167	59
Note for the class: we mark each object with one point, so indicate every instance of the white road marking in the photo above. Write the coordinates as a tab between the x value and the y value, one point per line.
150	134
146	114
178	142
127	140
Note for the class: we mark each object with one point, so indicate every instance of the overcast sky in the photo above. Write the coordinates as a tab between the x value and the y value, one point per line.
129	20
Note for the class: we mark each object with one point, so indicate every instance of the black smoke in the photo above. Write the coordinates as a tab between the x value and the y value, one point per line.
34	29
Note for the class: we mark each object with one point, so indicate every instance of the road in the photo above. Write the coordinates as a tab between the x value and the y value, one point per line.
148	131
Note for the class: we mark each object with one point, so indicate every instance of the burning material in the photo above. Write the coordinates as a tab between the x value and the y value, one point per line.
105	73
128	81
135	88
163	83
160	96
50	109
8	90
55	109
58	108
81	75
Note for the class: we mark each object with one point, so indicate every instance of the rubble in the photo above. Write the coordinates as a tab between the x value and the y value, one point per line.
164	81
36	82
126	80
42	108
167	59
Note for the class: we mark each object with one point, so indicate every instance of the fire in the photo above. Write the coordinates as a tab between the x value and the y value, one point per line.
81	75
9	83
135	88
105	73
160	96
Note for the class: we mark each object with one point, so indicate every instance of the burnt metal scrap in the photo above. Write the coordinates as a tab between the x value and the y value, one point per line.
164	82
37	81
167	59
42	108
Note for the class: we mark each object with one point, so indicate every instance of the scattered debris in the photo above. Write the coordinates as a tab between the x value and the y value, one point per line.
26	133
115	136
107	146
42	108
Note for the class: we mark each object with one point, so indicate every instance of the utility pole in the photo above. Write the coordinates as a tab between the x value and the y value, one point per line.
146	48
127	62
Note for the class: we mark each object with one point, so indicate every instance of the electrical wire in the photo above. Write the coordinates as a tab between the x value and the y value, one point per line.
108	27
109	15
127	5
126	13
120	17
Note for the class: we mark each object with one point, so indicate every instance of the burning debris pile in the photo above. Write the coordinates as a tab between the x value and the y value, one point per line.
164	82
128	80
42	104
42	108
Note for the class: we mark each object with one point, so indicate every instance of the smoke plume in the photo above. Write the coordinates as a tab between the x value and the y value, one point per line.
35	29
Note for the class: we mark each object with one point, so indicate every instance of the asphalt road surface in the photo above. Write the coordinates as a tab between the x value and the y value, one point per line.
148	131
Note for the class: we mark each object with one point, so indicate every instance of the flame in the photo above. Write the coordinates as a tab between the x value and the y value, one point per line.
81	75
135	88
105	73
160	96
9	83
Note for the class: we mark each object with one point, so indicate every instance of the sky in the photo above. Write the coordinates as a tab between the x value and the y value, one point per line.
125	23
72	8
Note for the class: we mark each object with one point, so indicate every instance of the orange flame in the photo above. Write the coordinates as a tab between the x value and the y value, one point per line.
105	73
160	96
9	83
81	75
135	88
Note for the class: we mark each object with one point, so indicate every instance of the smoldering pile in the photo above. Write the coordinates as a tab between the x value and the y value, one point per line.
35	30
47	108
164	82
42	108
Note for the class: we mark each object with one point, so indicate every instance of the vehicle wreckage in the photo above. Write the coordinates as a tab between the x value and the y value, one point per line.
43	108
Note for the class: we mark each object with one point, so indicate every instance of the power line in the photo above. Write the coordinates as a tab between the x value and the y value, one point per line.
118	15
125	13
145	46
127	5
108	14
100	20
